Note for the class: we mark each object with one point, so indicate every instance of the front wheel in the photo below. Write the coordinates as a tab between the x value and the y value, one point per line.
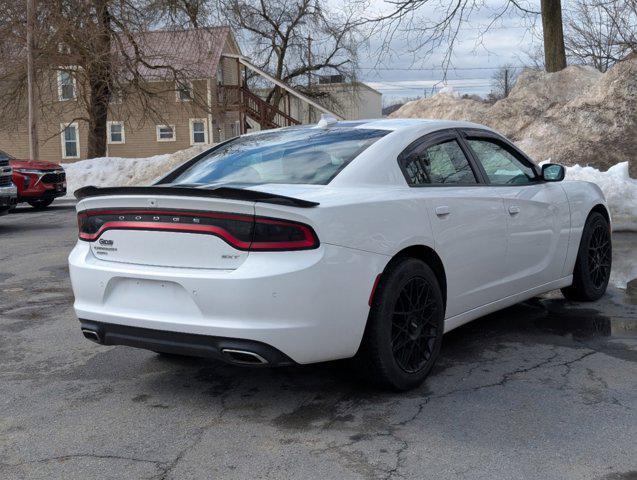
594	259
404	328
41	204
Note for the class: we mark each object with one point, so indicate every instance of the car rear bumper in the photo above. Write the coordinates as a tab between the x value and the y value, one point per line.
231	350
310	306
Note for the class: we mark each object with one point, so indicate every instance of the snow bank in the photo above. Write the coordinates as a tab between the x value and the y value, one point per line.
117	171
619	189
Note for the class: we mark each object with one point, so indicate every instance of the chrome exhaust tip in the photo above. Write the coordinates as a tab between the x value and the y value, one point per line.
244	357
91	335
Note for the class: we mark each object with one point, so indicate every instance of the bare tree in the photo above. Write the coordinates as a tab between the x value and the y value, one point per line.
595	31
439	31
104	46
553	33
182	13
625	23
502	82
295	40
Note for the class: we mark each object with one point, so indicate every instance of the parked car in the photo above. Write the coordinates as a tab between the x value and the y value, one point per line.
8	191
365	239
38	182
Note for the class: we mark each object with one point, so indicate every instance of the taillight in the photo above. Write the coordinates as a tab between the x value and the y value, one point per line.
243	232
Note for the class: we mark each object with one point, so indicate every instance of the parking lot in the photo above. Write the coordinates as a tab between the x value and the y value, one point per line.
546	389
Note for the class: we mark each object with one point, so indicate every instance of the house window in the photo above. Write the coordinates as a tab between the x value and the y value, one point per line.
116	97
66	85
184	92
70	140
166	133
116	132
198	131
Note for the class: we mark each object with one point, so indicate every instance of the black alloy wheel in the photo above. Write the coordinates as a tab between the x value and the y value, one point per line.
599	255
414	330
594	261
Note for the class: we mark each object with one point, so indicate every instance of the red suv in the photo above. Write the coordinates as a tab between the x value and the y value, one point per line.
38	183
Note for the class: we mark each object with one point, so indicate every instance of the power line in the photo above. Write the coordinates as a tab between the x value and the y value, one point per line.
435	69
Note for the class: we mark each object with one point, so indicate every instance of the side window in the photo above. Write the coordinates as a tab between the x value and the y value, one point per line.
444	163
501	166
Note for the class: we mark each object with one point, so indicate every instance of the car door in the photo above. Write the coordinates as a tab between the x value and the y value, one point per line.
537	212
468	219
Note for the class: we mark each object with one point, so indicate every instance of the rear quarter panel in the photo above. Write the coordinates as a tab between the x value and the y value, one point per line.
377	220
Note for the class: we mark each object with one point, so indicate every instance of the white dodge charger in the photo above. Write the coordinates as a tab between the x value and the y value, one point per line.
364	239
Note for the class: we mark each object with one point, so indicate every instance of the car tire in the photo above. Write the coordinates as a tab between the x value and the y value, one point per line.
594	260
41	204
405	325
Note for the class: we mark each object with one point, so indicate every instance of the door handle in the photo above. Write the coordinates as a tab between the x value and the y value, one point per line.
443	211
514	209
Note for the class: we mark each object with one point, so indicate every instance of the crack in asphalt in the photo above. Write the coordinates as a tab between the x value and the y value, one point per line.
394	428
81	455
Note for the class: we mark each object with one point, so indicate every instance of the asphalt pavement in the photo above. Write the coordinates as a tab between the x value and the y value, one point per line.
543	390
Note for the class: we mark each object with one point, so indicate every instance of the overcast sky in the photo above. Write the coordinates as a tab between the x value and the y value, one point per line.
477	54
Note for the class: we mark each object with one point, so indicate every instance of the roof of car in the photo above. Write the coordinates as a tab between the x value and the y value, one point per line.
408	123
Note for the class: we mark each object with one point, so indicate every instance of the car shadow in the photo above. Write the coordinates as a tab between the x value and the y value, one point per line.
541	321
27	209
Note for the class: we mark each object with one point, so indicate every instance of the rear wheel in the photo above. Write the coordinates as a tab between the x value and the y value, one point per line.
593	264
404	328
41	204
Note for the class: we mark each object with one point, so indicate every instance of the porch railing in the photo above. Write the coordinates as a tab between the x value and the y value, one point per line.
266	115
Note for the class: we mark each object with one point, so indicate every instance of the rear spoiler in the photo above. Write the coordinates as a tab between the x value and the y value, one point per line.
229	193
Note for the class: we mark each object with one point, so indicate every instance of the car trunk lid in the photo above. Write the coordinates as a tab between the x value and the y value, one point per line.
181	227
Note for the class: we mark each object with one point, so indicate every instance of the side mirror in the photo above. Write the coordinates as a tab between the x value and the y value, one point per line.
552	172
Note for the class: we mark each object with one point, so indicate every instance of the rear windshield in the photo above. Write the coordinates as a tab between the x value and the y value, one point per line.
297	155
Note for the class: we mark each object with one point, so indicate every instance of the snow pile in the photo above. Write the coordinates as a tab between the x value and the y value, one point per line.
118	172
449	90
446	106
575	116
619	189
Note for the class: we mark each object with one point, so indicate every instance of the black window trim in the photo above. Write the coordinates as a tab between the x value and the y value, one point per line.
432	139
488	135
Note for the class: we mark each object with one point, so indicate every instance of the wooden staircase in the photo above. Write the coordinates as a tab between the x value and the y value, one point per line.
266	115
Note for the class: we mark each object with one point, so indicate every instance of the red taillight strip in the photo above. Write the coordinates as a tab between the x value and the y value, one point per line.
168	227
309	237
190	213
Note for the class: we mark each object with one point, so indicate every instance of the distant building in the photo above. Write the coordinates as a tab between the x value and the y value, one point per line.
352	101
348	100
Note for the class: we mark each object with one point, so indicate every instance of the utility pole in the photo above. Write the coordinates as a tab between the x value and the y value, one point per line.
309	61
33	130
309	75
506	82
